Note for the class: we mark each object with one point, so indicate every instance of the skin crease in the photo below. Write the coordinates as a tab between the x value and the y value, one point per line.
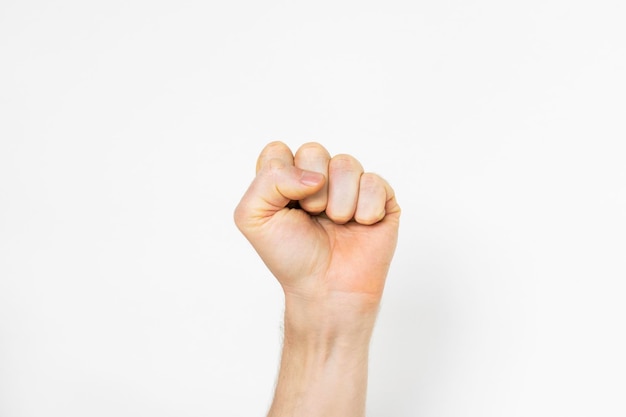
327	231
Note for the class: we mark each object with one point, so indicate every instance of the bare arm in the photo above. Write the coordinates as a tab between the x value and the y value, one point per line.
331	256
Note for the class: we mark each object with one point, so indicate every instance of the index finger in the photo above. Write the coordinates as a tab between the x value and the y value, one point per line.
274	150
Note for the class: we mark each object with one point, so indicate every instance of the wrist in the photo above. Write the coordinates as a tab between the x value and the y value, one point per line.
333	320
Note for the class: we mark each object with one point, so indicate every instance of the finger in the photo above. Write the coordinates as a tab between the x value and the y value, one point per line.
314	157
276	184
373	196
392	208
344	173
274	150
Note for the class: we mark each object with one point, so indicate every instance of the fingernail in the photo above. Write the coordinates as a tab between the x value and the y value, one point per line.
311	178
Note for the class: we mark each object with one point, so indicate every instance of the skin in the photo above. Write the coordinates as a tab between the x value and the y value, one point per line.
327	231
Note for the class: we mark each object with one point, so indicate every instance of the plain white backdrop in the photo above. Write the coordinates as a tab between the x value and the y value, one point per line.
130	129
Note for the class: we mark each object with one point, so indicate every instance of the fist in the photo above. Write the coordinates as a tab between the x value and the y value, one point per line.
323	226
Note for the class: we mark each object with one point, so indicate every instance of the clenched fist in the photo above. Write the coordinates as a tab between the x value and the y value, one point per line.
324	228
327	231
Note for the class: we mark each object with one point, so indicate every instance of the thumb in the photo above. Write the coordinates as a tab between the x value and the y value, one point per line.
275	185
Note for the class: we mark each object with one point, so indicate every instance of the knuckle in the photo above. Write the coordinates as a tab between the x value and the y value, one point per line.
270	151
275	144
272	148
370	181
312	153
344	162
311	146
274	166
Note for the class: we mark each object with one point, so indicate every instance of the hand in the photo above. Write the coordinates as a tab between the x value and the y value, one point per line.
337	242
327	231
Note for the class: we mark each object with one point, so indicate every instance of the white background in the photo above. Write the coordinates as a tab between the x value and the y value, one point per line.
129	130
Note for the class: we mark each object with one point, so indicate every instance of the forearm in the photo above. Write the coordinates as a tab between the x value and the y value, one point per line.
324	362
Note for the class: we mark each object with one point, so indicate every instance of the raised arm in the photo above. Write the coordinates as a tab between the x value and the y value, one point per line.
327	231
